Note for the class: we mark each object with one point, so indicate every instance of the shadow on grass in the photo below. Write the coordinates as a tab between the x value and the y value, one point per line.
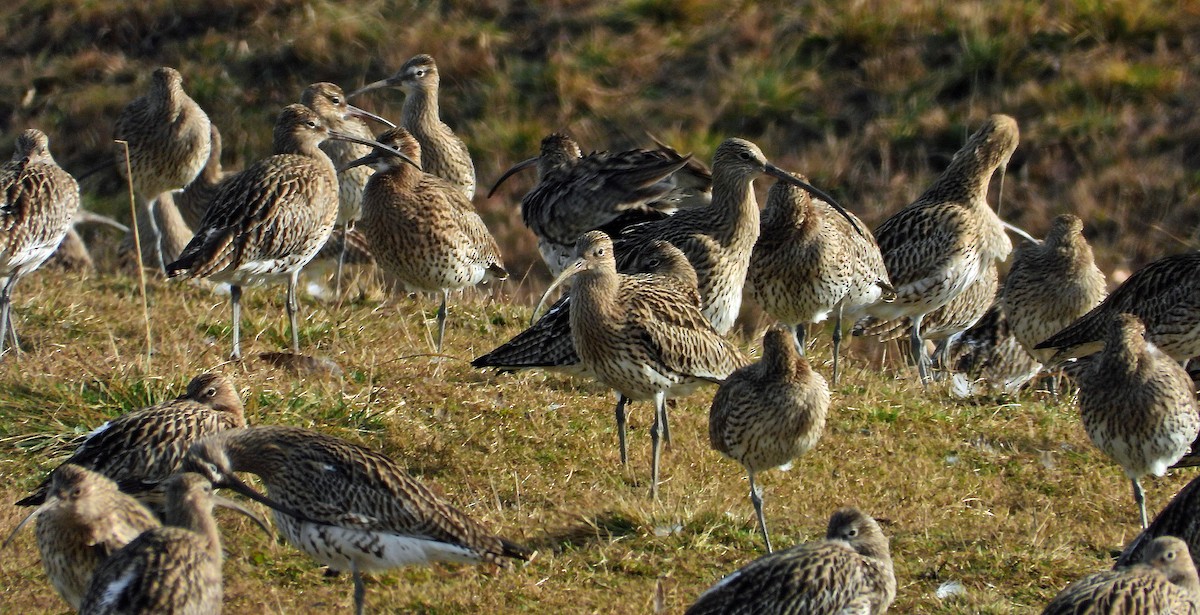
605	526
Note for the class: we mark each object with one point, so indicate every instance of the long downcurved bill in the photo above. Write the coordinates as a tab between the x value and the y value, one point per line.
372	143
520	166
382	83
32	514
779	173
231	481
352	111
258	519
575	267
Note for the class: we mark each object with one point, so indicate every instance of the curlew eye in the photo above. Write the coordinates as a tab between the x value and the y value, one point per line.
1169	555
210	392
744	156
335	100
311	124
77	492
852	532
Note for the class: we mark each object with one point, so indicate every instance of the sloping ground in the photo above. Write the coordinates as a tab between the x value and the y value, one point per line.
868	98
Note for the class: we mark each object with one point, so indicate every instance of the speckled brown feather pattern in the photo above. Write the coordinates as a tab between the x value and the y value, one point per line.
1051	285
195	198
960	314
848	572
271	219
143	447
339	483
84	521
548	342
987	358
172	569
1164	295
165	217
421	229
168	136
1165	583
1137	404
329	101
938	245
37	202
71	255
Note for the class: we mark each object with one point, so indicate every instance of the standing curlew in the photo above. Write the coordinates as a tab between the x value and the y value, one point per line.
986	358
937	246
549	344
38	201
1165	582
443	153
1138	405
1051	285
1164	295
421	229
268	221
84	519
195	197
646	340
719	238
144	447
605	191
169	142
171	233
359	510
809	261
769	413
848	572
171	569
328	100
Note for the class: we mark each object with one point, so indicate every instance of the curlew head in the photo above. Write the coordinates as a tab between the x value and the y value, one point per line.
188	493
860	531
88	494
1065	228
1170	556
419	73
330	102
299	126
558	151
989	148
165	82
595	251
215	391
779	351
661	257
33	146
398	141
738	160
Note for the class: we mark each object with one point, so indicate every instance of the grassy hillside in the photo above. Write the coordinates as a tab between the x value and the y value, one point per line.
868	98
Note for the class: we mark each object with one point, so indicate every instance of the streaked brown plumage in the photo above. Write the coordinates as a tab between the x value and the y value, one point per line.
718	239
443	153
987	358
362	511
1138	405
268	221
421	229
810	262
1164	295
37	202
170	235
848	572
172	569
643	338
1051	285
193	200
1165	582
600	191
142	448
769	413
937	246
84	520
169	142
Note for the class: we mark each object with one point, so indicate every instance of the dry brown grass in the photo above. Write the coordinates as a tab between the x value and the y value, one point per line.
1010	499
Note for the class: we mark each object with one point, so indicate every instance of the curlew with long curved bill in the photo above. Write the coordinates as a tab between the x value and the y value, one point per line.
1164	581
271	219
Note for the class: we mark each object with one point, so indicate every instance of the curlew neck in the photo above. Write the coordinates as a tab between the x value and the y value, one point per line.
420	111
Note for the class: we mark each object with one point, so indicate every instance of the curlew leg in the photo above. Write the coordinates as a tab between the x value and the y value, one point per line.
756	499
660	417
360	590
1139	496
622	402
837	342
156	234
337	275
918	349
800	334
441	317
6	324
292	307
235	299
